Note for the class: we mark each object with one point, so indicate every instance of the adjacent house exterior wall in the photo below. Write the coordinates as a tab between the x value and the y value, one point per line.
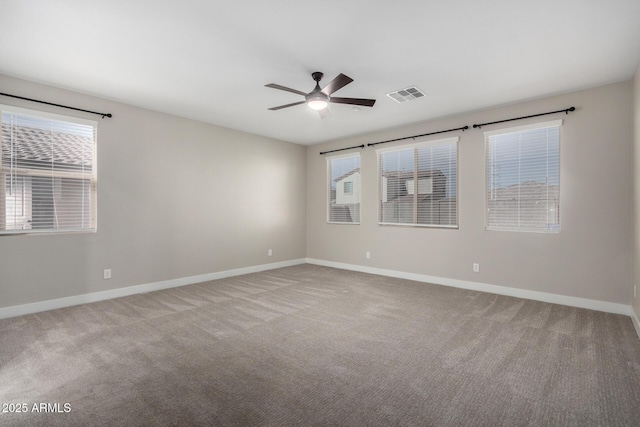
352	181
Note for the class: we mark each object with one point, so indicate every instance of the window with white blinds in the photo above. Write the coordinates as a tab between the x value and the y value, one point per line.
523	178
418	184
344	189
47	173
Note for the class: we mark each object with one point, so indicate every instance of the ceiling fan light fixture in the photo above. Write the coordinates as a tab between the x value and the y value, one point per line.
317	104
317	100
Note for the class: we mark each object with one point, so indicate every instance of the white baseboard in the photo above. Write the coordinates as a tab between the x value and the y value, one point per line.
636	322
36	307
608	307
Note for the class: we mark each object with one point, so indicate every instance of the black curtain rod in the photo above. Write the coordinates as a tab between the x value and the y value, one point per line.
342	149
566	111
418	136
58	105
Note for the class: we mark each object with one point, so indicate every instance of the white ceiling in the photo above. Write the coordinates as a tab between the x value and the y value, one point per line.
209	60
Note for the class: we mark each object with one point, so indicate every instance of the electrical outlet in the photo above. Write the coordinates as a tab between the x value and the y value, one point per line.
476	267
270	252
368	255
107	273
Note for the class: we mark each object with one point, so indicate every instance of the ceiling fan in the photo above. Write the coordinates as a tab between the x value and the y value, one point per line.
318	99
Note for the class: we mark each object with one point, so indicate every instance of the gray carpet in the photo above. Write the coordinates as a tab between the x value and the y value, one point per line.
310	345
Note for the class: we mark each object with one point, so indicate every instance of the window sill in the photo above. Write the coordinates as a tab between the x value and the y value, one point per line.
343	223
392	224
46	233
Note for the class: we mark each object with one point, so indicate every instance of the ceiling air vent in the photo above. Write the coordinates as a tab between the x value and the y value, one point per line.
407	94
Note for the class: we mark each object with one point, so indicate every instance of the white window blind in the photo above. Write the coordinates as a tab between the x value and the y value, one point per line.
47	172
418	184
344	189
523	178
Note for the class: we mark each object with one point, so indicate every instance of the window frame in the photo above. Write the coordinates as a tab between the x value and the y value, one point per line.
328	184
416	145
518	129
56	176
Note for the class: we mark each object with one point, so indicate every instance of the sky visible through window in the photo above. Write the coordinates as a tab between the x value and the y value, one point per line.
524	157
539	147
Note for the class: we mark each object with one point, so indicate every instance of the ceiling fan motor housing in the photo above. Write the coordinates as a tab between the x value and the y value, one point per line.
317	95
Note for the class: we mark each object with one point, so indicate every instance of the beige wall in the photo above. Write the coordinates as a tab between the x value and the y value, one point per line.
176	198
636	128
179	198
592	256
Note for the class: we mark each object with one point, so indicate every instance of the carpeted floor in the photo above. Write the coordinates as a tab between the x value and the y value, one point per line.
311	345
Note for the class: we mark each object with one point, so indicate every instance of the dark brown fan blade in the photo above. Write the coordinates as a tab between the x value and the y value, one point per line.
338	83
288	89
280	107
353	101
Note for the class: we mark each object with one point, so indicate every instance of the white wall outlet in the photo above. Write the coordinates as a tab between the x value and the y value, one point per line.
269	252
107	273
367	255
476	267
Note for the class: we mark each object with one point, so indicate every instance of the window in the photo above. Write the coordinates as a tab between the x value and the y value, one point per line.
433	200
344	189
348	187
47	172
523	178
